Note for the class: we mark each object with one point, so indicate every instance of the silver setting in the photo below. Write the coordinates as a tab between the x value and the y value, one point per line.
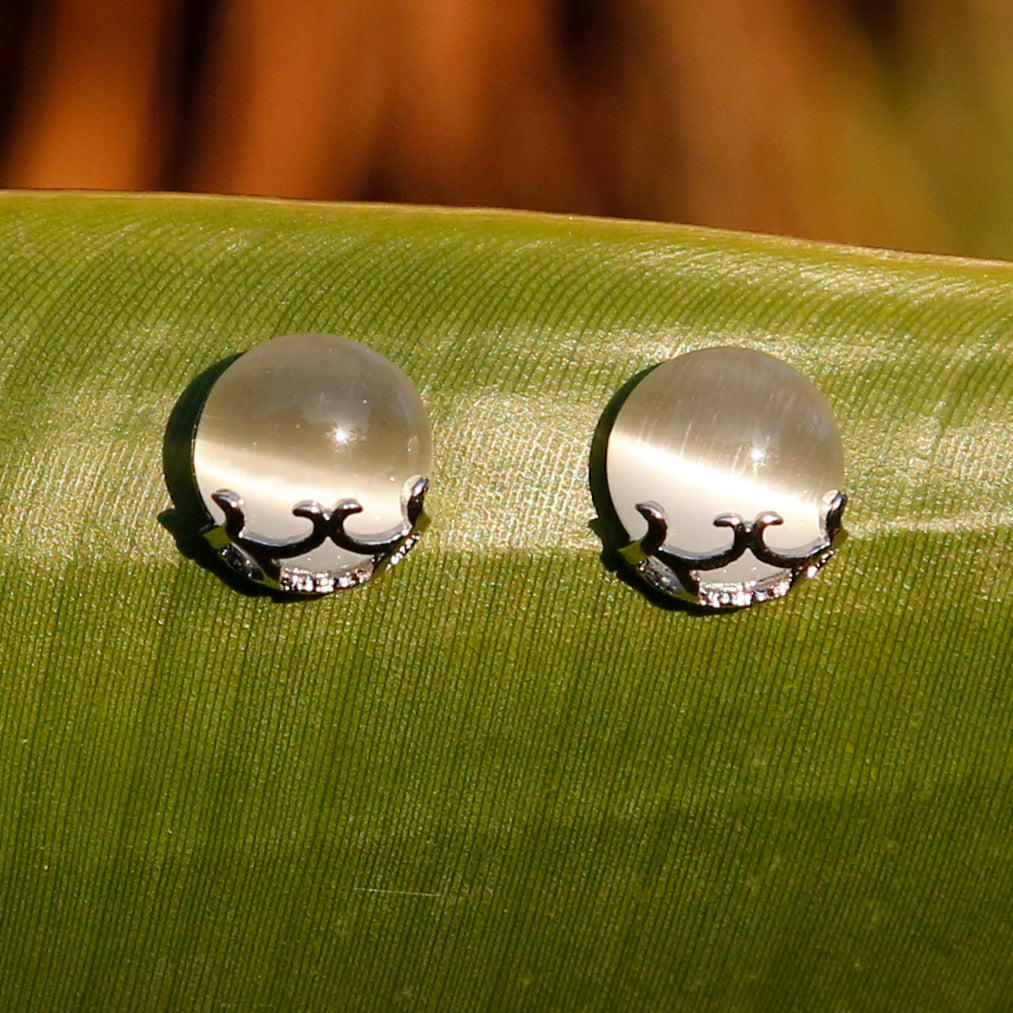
262	560
680	574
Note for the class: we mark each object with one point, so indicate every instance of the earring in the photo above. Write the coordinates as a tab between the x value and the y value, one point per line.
310	458
725	468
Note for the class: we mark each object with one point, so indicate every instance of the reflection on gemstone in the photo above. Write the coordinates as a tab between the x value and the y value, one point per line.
340	435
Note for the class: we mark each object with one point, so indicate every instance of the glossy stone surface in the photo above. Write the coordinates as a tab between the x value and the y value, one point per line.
726	430
312	417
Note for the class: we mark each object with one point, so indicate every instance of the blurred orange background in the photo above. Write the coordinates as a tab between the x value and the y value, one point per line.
883	122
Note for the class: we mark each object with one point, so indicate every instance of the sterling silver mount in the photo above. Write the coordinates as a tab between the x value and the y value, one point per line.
680	574
262	560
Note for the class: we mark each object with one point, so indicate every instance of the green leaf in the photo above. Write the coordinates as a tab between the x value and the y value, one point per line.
498	776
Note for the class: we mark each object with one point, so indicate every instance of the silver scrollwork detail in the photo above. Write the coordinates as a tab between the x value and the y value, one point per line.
264	560
682	574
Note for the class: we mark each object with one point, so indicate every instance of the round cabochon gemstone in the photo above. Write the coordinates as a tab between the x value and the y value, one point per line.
726	431
312	418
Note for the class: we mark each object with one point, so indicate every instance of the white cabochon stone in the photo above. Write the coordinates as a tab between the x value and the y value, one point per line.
725	430
312	417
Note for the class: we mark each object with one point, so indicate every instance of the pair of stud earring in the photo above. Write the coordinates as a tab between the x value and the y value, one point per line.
311	457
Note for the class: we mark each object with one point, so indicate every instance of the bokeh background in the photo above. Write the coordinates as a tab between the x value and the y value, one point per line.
882	122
